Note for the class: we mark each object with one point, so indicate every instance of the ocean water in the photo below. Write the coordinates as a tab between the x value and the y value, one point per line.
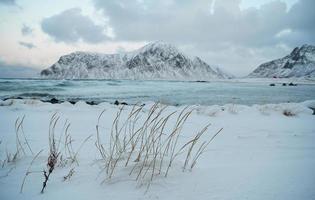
167	92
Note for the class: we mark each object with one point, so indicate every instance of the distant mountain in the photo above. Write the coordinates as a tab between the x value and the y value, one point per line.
299	63
225	74
154	61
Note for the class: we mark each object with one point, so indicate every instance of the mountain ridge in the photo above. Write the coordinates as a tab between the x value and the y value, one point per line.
154	61
299	63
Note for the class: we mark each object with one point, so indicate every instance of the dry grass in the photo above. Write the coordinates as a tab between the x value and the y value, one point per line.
55	157
29	171
142	144
69	155
69	175
60	154
21	143
22	147
54	151
150	142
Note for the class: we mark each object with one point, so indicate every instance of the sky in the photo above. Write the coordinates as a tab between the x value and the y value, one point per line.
236	35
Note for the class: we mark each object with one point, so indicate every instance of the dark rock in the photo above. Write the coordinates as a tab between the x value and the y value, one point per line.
288	113
284	84
292	84
288	65
272	84
92	103
120	103
313	109
72	102
54	101
201	81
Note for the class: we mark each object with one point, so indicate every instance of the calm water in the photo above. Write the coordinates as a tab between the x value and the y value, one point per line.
168	92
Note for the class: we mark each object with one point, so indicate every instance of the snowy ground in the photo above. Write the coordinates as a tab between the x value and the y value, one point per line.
260	154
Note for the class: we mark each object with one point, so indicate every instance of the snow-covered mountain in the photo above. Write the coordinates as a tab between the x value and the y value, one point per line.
152	62
299	63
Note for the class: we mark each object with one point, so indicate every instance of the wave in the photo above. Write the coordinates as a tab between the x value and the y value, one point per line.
65	84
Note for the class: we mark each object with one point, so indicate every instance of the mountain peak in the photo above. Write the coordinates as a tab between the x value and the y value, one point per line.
303	49
159	46
307	46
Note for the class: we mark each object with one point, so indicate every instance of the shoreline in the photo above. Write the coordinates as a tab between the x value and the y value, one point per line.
297	80
310	104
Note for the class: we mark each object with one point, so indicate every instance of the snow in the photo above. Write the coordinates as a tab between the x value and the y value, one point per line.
260	154
155	61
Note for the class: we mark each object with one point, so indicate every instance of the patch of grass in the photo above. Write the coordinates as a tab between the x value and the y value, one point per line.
21	142
150	142
60	154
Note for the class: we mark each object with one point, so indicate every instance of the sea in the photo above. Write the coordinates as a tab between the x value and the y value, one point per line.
167	92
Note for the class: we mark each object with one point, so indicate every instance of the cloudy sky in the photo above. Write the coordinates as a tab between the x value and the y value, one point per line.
236	35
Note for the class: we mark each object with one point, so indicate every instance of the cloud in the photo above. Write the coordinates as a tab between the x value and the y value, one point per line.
207	23
16	71
27	45
187	21
215	28
302	15
70	26
26	30
301	18
8	2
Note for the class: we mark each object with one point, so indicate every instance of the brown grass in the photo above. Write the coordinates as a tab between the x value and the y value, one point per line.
145	139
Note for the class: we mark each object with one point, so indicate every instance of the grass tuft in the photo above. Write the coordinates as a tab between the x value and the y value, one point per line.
147	145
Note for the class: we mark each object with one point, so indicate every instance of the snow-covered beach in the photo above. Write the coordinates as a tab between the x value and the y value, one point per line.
202	100
263	152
